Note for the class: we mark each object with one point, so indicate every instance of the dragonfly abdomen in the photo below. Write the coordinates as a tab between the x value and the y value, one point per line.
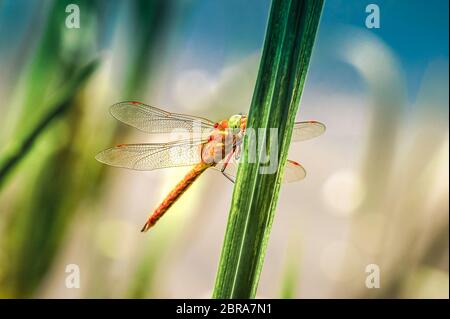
175	194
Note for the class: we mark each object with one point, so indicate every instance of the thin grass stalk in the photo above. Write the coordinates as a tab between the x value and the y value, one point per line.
59	108
287	50
41	151
289	280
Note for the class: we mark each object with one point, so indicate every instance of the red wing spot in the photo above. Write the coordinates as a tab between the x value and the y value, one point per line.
135	102
295	163
312	121
120	145
216	125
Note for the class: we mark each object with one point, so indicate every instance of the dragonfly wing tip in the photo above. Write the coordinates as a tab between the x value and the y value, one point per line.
99	157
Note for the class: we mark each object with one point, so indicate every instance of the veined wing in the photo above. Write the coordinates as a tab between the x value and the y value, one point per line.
147	157
307	130
153	120
293	171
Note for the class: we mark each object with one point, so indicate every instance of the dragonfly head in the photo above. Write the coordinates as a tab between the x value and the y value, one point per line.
234	122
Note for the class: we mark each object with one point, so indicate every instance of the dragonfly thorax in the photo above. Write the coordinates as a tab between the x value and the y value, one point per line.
223	141
220	143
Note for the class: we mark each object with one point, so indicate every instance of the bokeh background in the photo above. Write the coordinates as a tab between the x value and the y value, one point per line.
377	185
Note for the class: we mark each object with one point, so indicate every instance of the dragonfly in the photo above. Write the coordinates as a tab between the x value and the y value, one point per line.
210	144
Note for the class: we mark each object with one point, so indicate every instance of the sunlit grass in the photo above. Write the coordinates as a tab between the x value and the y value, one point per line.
289	40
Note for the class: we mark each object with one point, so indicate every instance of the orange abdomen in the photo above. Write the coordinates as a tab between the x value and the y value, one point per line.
178	190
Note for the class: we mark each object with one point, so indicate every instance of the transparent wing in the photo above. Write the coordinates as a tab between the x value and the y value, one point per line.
147	157
293	171
307	130
153	120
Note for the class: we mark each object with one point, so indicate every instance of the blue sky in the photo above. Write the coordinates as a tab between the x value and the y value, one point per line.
416	31
216	32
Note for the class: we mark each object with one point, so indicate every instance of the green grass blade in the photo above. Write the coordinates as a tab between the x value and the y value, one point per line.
289	40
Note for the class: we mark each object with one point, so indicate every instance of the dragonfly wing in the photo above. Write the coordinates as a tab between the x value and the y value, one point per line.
307	130
293	171
147	157
153	120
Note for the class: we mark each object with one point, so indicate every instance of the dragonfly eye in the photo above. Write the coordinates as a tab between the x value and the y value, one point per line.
234	121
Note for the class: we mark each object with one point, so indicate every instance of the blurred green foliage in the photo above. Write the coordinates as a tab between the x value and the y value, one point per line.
47	147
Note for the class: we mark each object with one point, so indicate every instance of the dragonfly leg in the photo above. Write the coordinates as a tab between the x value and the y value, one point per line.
229	178
227	161
238	152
